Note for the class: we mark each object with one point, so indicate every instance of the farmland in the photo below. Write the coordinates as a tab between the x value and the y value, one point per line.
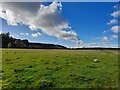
23	68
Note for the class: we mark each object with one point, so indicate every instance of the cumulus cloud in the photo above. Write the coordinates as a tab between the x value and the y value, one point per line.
26	34
116	14
113	21
115	29
36	34
18	12
48	19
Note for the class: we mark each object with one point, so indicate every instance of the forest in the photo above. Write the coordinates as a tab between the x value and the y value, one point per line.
7	41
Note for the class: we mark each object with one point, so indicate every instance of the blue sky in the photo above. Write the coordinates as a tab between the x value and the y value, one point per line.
88	20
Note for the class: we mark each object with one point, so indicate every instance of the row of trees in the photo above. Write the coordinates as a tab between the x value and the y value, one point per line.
7	41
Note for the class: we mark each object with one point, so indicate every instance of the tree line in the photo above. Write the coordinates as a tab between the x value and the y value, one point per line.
7	41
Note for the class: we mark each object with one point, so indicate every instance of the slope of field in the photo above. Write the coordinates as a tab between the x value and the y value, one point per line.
59	68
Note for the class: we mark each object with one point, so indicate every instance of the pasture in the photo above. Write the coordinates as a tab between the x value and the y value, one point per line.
22	68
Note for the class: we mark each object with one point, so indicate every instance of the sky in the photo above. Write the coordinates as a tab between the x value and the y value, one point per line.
72	24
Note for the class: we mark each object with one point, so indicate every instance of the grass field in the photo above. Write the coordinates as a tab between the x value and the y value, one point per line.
59	68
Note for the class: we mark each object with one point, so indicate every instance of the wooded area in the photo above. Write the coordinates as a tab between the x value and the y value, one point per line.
7	41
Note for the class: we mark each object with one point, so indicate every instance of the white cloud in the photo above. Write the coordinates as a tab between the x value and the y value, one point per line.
116	6
102	39
105	38
36	34
94	44
115	29
104	31
14	35
79	43
116	14
113	21
115	36
26	34
48	19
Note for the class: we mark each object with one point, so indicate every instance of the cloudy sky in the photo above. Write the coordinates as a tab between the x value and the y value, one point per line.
92	24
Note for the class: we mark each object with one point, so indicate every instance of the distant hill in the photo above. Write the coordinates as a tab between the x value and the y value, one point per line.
45	46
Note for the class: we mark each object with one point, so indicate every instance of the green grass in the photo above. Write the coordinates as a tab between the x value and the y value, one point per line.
59	69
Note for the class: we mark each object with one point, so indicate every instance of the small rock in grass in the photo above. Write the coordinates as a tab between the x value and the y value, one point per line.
96	60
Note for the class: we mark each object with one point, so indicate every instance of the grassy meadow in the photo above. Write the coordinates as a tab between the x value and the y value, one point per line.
23	68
